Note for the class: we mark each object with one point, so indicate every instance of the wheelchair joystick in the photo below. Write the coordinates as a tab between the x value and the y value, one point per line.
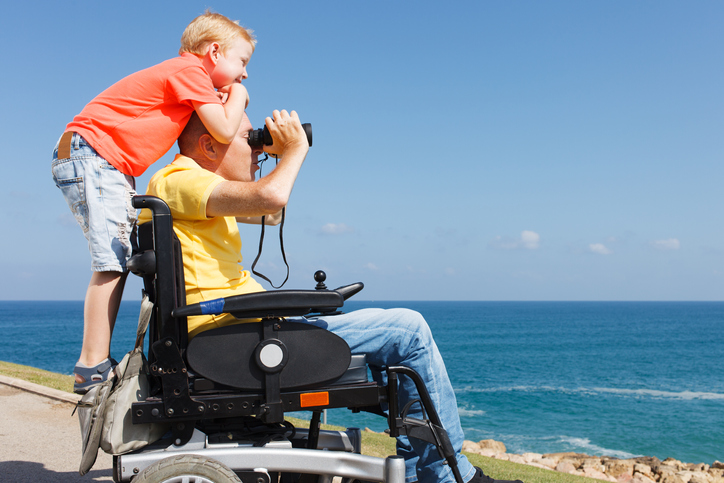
320	277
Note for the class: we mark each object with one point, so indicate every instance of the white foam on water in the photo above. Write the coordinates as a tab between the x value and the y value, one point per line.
687	395
470	389
652	393
465	412
584	445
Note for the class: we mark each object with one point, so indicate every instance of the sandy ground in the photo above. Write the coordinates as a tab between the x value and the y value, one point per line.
40	441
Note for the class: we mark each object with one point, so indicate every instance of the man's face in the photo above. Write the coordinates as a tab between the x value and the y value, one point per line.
240	161
231	65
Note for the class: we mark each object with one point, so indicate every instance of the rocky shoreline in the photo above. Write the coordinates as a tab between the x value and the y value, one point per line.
644	469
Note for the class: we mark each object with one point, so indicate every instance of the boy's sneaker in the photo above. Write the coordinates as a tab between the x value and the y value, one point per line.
92	375
480	477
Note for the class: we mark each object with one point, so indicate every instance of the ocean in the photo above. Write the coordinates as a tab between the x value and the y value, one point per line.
621	379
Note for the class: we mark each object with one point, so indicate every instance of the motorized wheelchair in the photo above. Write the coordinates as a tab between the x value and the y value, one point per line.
224	394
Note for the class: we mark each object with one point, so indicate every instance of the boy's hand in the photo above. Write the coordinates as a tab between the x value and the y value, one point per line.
235	89
287	132
223	120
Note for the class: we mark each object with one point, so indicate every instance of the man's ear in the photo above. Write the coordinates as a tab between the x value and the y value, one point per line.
207	147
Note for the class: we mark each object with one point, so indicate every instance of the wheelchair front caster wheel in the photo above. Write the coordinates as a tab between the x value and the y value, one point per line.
185	468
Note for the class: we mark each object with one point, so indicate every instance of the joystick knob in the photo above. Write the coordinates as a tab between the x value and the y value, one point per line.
320	277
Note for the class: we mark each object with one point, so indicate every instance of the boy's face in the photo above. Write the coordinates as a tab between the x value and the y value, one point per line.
231	65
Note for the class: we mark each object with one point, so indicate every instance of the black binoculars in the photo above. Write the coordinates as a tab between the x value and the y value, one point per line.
262	136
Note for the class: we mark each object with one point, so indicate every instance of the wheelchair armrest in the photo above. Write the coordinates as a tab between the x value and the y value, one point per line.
280	303
348	290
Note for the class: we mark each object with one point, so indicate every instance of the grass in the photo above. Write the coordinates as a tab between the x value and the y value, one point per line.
373	444
38	376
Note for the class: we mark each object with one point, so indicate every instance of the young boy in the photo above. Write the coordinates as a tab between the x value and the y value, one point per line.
122	132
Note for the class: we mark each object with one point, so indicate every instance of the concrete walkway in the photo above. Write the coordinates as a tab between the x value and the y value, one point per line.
39	439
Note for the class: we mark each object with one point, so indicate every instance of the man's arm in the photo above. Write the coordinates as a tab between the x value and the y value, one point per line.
271	193
223	120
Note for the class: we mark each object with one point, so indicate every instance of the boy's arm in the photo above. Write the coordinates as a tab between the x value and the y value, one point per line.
223	120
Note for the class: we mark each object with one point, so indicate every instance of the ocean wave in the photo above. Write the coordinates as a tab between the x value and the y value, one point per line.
470	389
584	445
523	443
661	394
463	412
645	393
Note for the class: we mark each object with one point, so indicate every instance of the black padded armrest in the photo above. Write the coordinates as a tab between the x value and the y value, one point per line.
280	303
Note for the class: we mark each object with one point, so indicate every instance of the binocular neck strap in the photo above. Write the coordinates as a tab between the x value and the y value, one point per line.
281	244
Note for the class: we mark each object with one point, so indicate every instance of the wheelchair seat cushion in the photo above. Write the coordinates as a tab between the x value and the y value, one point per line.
226	355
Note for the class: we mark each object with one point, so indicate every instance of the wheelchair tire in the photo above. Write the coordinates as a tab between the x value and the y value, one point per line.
187	468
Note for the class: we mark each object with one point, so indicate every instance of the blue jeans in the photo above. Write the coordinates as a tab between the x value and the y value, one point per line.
402	337
99	196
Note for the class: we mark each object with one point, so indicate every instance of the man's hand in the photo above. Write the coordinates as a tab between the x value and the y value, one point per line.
274	219
287	133
246	198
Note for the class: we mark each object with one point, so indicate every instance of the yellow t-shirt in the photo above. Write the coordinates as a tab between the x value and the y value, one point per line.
211	246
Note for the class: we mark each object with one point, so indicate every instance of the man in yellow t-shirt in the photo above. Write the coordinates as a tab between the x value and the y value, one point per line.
211	186
211	245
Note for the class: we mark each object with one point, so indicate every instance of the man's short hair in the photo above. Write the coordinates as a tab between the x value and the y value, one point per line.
213	27
187	141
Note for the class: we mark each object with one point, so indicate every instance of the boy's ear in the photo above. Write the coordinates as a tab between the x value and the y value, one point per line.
213	51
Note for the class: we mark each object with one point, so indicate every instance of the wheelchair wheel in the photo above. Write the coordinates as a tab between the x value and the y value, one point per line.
187	469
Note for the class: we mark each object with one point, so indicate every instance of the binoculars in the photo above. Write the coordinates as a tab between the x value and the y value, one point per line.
262	136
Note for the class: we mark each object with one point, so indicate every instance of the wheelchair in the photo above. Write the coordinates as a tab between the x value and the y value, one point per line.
224	394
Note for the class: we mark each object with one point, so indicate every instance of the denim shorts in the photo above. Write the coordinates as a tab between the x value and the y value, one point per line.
100	198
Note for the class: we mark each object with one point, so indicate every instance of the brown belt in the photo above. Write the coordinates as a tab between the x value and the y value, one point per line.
64	145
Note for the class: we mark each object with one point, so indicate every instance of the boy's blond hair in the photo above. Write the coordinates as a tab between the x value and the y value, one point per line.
213	27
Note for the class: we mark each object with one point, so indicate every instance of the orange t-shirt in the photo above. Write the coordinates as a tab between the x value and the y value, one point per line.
138	119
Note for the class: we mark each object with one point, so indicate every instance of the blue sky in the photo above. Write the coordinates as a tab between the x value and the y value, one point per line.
480	150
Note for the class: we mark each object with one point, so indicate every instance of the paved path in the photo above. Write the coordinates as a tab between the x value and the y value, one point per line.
39	440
